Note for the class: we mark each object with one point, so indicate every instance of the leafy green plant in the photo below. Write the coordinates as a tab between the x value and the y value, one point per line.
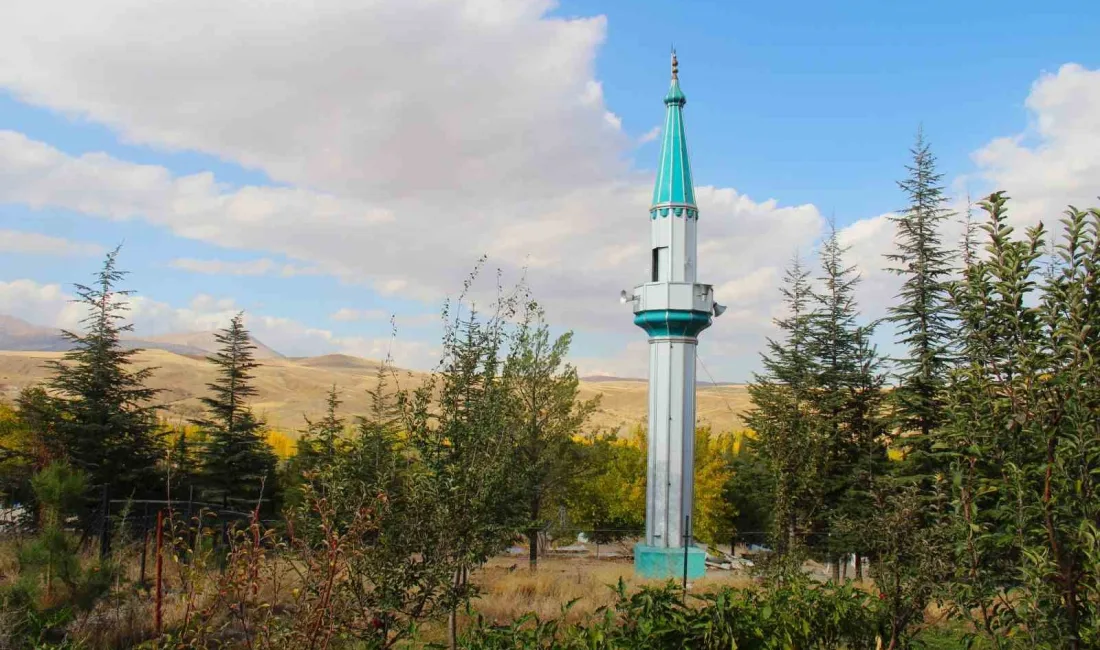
54	583
797	614
1023	437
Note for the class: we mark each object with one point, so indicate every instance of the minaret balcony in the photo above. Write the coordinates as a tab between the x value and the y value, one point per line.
673	296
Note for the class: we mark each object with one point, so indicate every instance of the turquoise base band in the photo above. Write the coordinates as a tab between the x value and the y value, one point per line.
653	563
672	322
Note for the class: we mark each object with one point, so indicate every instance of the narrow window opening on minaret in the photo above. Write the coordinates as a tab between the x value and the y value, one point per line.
660	264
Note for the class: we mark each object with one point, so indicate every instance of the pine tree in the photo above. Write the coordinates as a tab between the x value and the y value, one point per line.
107	428
842	360
834	333
182	467
318	445
781	415
236	462
921	317
376	447
865	463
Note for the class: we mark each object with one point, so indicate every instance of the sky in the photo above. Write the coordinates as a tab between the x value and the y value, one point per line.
326	166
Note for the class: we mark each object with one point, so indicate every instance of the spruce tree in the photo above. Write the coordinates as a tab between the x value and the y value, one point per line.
834	340
106	426
181	467
781	416
844	365
237	463
376	446
865	463
921	316
318	445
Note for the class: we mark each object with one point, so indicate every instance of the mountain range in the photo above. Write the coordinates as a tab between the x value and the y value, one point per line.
19	335
290	389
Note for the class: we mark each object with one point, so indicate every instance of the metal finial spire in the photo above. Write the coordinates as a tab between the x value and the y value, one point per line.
675	66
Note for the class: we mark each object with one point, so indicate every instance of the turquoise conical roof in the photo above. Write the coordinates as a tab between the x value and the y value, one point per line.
674	192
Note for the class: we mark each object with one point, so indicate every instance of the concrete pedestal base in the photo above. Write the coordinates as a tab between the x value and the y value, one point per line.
651	562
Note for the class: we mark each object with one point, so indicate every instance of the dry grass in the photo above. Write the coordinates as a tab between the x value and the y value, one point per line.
508	590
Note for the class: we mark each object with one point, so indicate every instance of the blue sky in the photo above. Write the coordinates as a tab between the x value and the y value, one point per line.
322	167
817	102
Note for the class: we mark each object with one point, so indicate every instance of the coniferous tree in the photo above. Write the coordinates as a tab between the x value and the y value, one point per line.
921	316
182	469
844	402
867	464
237	463
782	418
376	443
318	445
106	426
750	490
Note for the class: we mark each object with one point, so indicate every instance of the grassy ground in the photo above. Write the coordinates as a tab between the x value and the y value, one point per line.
508	590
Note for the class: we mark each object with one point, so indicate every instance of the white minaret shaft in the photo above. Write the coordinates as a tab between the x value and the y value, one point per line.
673	309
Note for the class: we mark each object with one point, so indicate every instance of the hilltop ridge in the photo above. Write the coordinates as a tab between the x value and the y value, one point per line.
290	388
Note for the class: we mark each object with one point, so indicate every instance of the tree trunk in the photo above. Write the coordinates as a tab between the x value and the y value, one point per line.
533	533
836	569
452	616
859	567
533	541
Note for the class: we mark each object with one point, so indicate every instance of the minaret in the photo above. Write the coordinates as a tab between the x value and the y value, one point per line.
673	309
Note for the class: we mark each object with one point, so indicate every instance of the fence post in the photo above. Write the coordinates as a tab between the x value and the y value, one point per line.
687	544
104	524
187	520
224	557
144	540
160	571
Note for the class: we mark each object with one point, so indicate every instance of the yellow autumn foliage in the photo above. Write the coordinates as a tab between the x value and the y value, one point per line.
282	444
622	485
713	513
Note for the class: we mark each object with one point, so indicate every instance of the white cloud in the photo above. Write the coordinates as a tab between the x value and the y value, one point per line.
342	95
1056	161
406	154
39	304
204	303
49	305
484	122
263	266
347	315
650	135
18	241
582	261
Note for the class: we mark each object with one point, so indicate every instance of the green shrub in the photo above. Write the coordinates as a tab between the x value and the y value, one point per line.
53	583
797	614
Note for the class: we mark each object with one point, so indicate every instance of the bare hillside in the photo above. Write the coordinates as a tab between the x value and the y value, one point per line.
291	388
